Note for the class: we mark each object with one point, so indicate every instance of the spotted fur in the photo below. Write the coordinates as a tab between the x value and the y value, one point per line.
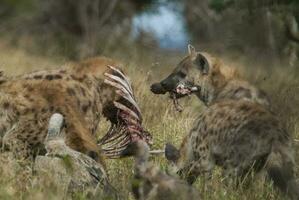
150	182
237	131
215	81
76	90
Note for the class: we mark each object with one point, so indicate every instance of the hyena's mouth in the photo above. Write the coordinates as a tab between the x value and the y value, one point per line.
176	89
182	90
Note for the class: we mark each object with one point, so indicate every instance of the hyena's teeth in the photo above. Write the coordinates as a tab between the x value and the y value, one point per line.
194	89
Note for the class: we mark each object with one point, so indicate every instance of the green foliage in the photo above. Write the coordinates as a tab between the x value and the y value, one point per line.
11	8
142	5
219	5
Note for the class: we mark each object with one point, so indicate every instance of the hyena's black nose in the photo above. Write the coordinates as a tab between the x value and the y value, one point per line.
169	83
157	88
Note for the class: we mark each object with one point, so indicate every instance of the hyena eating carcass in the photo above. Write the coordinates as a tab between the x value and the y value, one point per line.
237	131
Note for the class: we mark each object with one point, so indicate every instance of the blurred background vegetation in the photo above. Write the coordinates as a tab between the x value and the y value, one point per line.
257	28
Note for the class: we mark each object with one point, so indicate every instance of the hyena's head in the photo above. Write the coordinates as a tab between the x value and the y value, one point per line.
198	73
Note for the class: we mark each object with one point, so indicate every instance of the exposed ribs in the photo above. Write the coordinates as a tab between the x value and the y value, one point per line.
130	129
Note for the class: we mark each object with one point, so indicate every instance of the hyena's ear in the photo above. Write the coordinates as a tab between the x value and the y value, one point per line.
191	51
171	153
202	63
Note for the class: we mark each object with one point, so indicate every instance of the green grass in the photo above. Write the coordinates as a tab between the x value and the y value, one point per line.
160	119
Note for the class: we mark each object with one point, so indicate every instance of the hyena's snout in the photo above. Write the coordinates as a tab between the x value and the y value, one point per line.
157	88
175	85
167	85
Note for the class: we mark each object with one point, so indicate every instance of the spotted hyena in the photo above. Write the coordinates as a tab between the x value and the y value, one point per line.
150	182
237	131
82	92
209	79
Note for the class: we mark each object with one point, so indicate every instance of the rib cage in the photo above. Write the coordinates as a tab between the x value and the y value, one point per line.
120	135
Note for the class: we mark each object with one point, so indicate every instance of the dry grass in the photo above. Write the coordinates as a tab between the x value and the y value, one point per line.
160	119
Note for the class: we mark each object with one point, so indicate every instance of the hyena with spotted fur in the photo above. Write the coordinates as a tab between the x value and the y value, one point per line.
237	131
150	182
78	91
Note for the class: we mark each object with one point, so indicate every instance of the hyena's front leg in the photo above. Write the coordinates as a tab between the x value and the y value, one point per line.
192	160
199	166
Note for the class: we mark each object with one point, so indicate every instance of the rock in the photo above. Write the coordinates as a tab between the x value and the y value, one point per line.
68	170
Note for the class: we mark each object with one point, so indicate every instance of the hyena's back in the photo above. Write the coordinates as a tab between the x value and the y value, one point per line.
238	136
27	102
24	114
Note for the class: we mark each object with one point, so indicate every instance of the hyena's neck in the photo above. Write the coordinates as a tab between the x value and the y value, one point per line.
210	89
224	83
239	90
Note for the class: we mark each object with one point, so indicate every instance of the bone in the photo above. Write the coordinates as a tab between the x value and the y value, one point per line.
118	144
116	85
116	136
114	133
126	90
108	135
130	99
126	109
121	81
123	92
120	73
114	153
127	84
132	122
129	119
194	89
115	149
118	147
120	135
157	152
133	130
